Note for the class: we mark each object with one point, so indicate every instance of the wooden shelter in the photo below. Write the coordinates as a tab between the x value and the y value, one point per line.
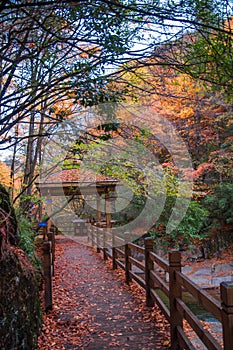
73	183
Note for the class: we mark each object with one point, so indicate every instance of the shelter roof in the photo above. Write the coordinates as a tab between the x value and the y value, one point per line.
75	181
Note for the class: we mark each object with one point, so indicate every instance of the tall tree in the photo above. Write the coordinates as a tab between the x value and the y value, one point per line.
54	50
51	55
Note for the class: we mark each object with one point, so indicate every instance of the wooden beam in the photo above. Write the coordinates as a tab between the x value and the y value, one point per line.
108	209
98	198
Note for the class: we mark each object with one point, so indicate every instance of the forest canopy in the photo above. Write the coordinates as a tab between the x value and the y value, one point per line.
60	57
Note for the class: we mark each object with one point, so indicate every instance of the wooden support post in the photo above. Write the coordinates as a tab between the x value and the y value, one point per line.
49	224
89	233
226	289
56	230
149	243
127	255
53	246
91	230
49	211
98	199
97	239
175	291
49	235
104	244
108	209
114	253
47	262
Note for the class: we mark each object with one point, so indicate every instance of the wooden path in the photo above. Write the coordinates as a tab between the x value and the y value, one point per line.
100	304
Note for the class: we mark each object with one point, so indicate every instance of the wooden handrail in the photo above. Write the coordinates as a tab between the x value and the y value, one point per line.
165	310
211	304
136	248
137	263
183	341
119	241
137	279
160	261
162	285
206	337
151	281
120	251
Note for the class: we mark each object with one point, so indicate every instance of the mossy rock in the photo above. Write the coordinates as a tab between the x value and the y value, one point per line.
20	315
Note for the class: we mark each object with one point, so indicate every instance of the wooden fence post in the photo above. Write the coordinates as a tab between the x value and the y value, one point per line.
53	248
47	266
149	243
226	289
104	244
90	229
97	239
175	291
49	223
88	233
127	255
114	254
44	232
51	238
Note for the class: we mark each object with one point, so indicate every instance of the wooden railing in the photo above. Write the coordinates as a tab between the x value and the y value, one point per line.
48	266
150	274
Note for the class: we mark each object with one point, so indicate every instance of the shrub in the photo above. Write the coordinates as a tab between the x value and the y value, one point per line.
27	239
189	230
